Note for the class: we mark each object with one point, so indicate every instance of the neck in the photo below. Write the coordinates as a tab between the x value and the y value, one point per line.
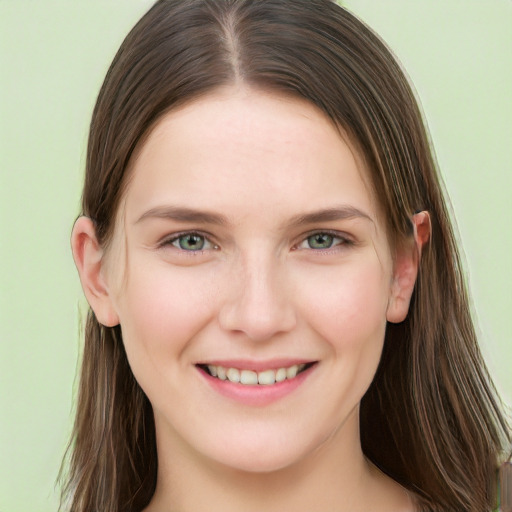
335	477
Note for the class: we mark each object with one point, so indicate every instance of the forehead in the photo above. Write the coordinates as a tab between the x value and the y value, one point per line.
248	151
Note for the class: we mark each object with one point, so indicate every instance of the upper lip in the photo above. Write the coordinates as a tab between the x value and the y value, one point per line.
257	366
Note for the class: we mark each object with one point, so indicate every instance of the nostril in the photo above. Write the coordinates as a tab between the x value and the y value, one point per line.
257	322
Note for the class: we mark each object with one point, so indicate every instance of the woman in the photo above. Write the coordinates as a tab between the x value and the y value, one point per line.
279	319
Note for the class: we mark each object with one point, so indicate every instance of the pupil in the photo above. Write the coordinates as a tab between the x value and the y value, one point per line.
321	241
192	242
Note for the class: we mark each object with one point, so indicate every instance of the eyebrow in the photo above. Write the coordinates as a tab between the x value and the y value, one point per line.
329	215
183	214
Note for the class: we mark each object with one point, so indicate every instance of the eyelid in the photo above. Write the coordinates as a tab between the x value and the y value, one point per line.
167	241
346	240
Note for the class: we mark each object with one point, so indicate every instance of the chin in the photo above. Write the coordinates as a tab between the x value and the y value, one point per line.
266	456
262	465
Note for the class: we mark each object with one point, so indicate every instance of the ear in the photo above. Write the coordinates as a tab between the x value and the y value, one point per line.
88	256
407	261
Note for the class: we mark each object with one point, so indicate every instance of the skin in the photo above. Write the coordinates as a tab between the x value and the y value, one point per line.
256	291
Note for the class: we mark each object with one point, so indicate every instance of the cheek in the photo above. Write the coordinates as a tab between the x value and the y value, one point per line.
349	309
349	316
162	310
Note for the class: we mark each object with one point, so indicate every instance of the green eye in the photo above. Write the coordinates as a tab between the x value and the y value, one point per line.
320	241
190	242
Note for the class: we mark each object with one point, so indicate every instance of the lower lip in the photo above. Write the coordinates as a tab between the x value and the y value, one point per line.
256	395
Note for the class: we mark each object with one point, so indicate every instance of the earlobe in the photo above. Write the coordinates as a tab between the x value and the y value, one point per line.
407	261
88	256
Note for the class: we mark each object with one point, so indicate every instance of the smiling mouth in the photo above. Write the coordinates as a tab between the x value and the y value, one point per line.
253	378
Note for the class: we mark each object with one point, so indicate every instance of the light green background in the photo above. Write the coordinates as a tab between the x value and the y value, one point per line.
53	58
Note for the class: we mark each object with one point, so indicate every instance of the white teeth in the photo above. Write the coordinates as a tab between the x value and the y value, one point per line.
292	371
248	377
233	375
267	378
252	378
281	375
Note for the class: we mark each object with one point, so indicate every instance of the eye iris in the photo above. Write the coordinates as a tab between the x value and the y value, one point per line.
191	242
320	241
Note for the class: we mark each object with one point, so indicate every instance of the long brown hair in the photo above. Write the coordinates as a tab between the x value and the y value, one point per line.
430	419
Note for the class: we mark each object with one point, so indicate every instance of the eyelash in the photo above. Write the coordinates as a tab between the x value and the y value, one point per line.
342	240
175	238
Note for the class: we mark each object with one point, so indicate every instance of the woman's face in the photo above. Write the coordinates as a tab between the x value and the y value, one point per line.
250	247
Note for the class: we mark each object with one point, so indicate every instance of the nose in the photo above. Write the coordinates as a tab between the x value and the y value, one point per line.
259	301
